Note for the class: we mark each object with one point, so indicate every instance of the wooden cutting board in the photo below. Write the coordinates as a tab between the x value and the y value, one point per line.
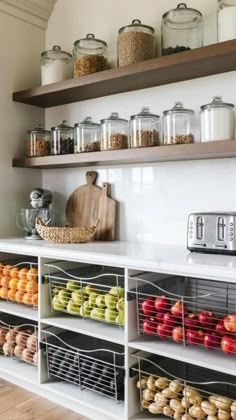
107	208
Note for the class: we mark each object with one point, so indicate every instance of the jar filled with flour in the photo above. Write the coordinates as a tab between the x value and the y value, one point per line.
226	20
217	121
56	66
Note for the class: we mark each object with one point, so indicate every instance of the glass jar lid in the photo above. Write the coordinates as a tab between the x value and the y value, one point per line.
38	129
217	102
136	25
90	43
56	54
178	109
145	113
182	15
114	117
62	126
87	122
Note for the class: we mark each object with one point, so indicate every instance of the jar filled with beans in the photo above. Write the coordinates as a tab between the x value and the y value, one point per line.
144	129
38	142
62	139
87	136
89	55
178	125
114	133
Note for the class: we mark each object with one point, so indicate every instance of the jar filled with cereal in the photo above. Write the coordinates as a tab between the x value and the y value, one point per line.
144	129
89	56
114	133
87	136
178	125
38	142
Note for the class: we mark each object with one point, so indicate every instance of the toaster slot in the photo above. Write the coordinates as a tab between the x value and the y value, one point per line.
221	229
200	226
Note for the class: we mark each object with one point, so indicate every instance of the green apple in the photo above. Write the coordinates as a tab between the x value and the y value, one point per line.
77	297
100	301
55	291
64	296
120	319
72	308
110	301
110	315
117	291
57	306
72	285
89	289
92	299
98	314
85	310
120	306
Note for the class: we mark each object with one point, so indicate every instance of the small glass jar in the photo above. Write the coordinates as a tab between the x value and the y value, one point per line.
114	133
182	29
217	121
62	139
87	136
135	43
56	66
89	56
38	142
178	125
226	20
144	129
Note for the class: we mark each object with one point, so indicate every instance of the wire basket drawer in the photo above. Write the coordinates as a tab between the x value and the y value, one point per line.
86	362
177	389
188	311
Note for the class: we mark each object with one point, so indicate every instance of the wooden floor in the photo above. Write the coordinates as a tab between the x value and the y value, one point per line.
19	404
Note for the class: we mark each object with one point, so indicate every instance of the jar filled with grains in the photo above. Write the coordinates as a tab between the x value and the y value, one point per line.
62	139
144	129
114	133
89	56
38	142
178	125
87	136
135	43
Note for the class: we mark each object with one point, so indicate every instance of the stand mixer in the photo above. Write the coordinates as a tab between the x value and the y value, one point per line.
40	201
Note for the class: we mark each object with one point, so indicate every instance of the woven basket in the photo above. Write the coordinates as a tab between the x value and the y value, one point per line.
65	235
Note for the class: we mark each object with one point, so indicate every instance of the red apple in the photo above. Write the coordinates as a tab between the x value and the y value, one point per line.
191	321
159	318
178	309
195	337
230	323
149	326
164	331
148	307
162	304
170	320
228	345
220	328
178	334
211	341
207	319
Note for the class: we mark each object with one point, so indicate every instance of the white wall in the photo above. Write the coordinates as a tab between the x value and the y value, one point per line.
155	200
20	47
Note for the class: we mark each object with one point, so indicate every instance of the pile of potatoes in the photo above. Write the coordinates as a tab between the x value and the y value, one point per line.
20	342
171	398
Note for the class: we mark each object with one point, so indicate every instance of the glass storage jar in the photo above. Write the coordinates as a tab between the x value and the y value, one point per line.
181	30
89	56
56	65
87	136
135	43
114	133
217	121
178	125
38	142
226	20
62	139
144	129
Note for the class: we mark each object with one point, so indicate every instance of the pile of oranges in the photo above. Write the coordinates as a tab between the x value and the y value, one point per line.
19	284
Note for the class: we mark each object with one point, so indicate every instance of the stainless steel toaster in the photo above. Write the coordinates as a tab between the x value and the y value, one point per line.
213	232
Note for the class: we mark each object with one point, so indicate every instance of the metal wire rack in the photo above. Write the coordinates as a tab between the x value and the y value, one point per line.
86	362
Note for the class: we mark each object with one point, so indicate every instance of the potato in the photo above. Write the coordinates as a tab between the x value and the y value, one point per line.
233	415
148	395
27	356
160	399
32	343
162	383
189	391
195	399
185	402
187	417
167	411
145	404
142	384
151	383
3	333
7	349
168	393
11	335
208	408
18	351
233	406
21	339
35	358
155	409
213	399
197	412
176	406
176	386
223	414
223	403
212	418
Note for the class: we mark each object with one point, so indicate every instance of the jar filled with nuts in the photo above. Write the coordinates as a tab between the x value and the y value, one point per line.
114	133
144	129
62	139
135	43
178	125
87	136
89	56
38	142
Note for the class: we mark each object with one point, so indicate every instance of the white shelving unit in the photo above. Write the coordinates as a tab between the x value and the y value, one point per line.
133	258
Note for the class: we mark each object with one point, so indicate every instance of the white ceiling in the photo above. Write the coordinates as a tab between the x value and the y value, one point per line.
36	12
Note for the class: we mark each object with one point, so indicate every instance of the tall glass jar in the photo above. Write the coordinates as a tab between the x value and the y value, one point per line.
181	30
114	133
38	142
217	121
56	65
144	129
89	56
135	43
87	136
178	125
62	139
226	20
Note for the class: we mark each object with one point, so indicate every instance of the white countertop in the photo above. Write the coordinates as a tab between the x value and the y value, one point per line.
145	256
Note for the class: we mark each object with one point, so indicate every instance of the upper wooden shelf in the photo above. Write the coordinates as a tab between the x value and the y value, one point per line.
200	62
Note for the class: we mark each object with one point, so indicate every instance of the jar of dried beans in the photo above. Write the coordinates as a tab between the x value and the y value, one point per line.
38	142
114	133
62	139
144	129
178	125
135	43
87	136
89	56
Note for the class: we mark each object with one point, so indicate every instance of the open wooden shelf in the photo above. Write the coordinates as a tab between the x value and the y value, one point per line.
200	62
196	151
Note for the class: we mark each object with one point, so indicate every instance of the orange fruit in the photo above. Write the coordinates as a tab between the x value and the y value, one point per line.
6	270
21	285
28	299
35	299
5	281
1	268
12	295
14	272
23	273
32	274
19	296
31	287
3	293
13	283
